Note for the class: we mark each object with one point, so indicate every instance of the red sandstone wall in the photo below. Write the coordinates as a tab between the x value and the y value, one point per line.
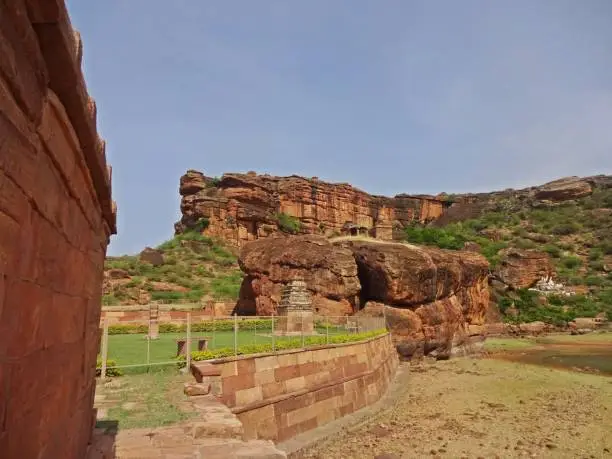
279	396
56	216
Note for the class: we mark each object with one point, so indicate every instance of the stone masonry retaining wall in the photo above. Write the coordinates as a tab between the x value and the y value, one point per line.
56	216
279	396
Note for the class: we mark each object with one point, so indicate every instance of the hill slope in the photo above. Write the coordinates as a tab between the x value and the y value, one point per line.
573	237
186	269
562	229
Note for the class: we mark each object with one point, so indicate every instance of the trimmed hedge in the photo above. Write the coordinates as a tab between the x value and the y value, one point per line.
281	345
110	370
204	326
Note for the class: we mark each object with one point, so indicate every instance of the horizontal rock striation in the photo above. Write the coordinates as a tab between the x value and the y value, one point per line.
434	300
244	207
329	271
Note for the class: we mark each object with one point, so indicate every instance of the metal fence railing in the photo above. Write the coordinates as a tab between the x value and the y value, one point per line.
139	345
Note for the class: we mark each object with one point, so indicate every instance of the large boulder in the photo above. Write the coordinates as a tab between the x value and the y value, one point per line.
520	268
433	299
152	256
564	189
330	273
192	182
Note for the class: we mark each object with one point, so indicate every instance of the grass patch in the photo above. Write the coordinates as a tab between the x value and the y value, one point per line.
151	400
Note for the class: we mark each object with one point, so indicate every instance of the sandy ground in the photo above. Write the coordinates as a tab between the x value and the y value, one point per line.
484	408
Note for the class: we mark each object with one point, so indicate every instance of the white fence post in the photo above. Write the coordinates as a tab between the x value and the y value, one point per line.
104	349
273	337
188	343
235	334
213	331
148	337
384	316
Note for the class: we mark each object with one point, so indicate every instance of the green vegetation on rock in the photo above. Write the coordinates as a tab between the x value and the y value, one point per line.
576	234
288	224
195	266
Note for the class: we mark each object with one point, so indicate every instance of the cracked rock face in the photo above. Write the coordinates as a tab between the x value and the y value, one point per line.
330	273
432	298
243	207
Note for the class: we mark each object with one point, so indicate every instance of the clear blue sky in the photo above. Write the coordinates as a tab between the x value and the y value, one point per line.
390	95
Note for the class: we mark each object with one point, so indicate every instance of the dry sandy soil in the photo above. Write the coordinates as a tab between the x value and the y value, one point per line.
484	408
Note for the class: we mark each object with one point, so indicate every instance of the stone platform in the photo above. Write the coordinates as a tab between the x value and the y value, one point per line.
215	434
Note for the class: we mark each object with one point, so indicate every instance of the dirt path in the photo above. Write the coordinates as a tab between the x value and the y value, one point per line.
485	409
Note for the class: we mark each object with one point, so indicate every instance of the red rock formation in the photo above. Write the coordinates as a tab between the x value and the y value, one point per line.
56	216
433	299
243	207
330	273
523	268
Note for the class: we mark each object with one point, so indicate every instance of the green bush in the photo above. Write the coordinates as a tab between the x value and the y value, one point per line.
592	281
127	329
529	309
215	181
109	300
288	224
565	229
595	254
524	244
227	286
439	237
167	296
201	225
597	265
571	262
552	250
110	370
606	247
294	343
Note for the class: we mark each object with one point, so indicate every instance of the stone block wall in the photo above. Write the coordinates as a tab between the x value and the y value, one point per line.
279	396
56	216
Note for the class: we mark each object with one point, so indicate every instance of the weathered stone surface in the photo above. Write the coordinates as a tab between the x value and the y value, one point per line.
523	268
329	271
56	217
243	207
152	256
430	297
564	189
195	389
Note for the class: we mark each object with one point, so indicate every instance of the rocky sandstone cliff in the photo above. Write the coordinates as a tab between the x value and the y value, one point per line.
433	298
244	207
239	208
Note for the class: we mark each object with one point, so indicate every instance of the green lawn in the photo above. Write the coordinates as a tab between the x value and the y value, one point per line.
132	349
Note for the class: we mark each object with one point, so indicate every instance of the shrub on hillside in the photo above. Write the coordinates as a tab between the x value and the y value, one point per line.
201	225
287	223
571	262
529	308
439	237
552	250
565	229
